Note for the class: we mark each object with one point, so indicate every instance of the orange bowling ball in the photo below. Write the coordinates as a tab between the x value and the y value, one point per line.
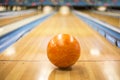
63	50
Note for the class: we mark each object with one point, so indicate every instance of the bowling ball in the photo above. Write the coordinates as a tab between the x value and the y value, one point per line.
63	50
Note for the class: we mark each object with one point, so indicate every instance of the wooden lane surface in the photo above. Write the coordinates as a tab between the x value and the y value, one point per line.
27	59
108	19
10	20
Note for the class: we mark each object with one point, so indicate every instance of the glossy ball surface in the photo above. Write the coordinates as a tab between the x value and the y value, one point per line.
63	50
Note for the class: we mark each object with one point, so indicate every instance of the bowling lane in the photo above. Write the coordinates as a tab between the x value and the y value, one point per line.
10	20
105	70
112	19
27	59
93	46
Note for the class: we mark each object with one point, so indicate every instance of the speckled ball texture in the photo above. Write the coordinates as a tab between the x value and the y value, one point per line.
63	50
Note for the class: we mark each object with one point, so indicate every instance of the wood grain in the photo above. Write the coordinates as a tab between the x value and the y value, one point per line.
7	21
27	59
114	21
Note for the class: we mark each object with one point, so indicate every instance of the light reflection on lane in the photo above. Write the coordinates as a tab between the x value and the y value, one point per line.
10	51
110	70
95	52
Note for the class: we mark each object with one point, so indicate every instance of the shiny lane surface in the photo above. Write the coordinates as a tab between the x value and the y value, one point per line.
27	59
112	20
7	21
